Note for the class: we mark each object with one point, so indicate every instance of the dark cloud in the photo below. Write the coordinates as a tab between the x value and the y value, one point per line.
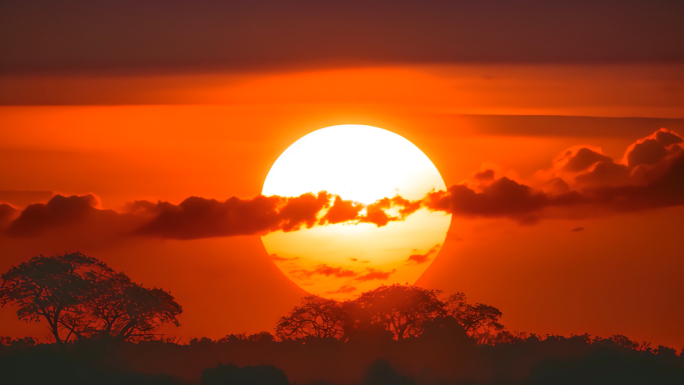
605	173
198	217
650	179
372	274
665	187
7	213
582	159
37	218
666	137
503	197
652	149
556	186
376	214
343	290
342	211
303	210
422	258
135	36
277	258
407	207
203	218
336	271
577	229
324	270
653	177
484	176
648	151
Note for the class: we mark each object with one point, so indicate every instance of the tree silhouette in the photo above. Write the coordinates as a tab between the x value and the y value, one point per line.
84	298
625	342
316	317
124	310
53	288
480	321
400	309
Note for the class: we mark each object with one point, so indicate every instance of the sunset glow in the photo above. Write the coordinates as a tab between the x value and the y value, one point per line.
334	192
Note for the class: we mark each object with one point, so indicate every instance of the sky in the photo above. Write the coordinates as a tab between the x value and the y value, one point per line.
541	117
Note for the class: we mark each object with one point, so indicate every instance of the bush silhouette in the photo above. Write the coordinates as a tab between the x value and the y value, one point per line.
382	373
248	375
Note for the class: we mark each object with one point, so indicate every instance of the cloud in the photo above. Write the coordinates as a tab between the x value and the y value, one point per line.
579	159
605	173
577	229
324	270
202	218
198	217
408	207
342	211
652	149
372	274
651	175
484	176
276	258
346	211
422	258
664	187
37	218
502	198
302	210
7	213
343	290
376	214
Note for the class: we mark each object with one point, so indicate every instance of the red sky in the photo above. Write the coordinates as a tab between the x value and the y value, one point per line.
126	123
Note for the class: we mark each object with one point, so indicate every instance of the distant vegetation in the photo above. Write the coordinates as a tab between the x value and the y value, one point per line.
104	327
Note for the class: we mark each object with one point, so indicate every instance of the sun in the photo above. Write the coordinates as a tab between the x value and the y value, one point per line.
364	164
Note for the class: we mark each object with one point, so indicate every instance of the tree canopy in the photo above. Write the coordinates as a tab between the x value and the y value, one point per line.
316	317
480	321
400	311
81	297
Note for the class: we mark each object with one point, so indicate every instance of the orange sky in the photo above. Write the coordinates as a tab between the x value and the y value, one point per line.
215	136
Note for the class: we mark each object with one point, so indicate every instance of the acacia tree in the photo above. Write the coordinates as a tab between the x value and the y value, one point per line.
52	288
400	309
480	321
124	310
82	297
316	317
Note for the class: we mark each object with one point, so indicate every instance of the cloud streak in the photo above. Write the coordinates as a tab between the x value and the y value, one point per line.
197	217
317	34
650	175
418	259
324	270
373	274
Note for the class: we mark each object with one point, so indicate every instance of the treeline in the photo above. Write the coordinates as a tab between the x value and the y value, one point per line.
442	354
105	326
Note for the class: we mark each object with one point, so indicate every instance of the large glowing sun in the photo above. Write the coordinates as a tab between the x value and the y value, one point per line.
364	164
